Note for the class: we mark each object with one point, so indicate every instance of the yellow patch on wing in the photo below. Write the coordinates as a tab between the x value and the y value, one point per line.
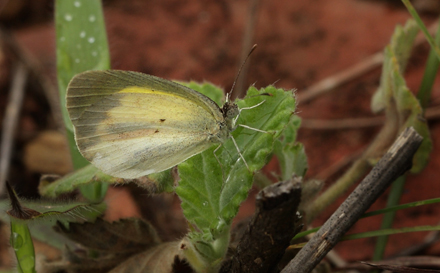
143	90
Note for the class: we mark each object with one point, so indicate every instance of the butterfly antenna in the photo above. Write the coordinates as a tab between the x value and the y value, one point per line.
239	71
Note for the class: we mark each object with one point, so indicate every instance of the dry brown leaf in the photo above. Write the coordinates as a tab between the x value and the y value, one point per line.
159	259
112	244
124	236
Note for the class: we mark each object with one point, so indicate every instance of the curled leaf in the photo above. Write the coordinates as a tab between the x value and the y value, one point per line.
401	106
26	211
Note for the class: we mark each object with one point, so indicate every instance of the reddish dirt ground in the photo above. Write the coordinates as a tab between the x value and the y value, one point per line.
299	43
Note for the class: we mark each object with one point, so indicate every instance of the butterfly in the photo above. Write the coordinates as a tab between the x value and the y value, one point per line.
129	124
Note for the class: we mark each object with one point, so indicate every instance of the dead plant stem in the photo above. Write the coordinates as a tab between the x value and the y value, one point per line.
10	123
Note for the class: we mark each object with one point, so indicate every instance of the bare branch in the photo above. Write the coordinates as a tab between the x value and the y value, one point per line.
393	164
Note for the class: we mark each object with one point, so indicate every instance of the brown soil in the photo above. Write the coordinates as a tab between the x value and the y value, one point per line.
299	43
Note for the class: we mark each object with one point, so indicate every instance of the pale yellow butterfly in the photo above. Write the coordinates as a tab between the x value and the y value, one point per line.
130	124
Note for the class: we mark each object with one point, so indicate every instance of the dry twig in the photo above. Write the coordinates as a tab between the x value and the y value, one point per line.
248	38
394	163
10	122
431	113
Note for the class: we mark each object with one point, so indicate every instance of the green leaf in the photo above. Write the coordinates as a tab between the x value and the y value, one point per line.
22	244
394	96
30	211
410	113
90	175
213	92
272	116
401	45
208	198
52	211
20	239
212	190
291	155
87	175
81	42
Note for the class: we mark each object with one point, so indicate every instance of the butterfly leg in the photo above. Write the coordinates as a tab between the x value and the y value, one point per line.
238	150
221	166
252	128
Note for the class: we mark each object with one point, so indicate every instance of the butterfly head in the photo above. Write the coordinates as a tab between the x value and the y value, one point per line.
230	111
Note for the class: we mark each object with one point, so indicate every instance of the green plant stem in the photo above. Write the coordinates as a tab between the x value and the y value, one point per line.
388	219
422	27
391	231
261	180
368	234
403	206
431	70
